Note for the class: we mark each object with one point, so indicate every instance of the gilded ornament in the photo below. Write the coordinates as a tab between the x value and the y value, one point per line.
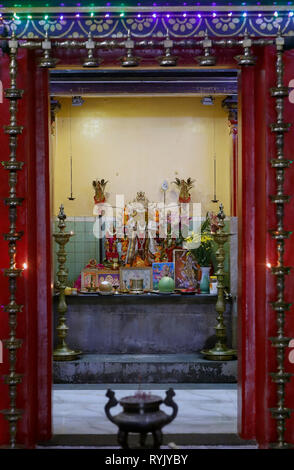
99	186
184	187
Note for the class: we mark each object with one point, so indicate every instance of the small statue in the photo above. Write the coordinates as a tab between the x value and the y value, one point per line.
124	249
99	187
213	220
185	187
111	252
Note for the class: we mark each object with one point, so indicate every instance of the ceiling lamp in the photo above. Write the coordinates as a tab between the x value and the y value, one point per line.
77	101
207	100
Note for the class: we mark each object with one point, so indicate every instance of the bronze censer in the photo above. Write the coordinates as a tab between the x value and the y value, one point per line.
141	415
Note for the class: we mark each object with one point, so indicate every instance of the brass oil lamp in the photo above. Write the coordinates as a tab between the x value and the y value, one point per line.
62	352
220	351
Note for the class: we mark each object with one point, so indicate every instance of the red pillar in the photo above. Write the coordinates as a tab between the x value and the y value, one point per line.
33	291
256	213
246	261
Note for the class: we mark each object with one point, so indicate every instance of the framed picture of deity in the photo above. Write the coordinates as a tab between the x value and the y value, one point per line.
160	270
186	270
128	274
89	278
110	276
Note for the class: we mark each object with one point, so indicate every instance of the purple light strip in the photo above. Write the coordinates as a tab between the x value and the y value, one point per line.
156	15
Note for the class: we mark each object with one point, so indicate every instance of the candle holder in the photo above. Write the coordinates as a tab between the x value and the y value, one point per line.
129	60
206	60
62	352
220	351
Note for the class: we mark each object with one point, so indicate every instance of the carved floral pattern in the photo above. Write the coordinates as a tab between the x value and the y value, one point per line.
52	26
226	24
100	26
139	24
142	27
182	26
147	26
267	25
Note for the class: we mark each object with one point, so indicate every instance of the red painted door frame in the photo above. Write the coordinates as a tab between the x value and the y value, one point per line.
256	180
34	288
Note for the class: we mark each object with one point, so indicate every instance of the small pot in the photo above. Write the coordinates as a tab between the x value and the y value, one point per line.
105	287
136	285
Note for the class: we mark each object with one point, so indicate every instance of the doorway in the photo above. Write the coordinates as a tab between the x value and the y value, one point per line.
137	129
35	324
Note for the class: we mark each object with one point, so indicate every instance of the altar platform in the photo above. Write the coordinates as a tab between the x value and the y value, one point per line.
148	337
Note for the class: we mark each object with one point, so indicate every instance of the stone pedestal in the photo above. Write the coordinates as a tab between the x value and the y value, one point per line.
149	338
142	324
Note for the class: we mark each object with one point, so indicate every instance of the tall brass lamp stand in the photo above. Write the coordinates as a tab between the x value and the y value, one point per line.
220	351
62	352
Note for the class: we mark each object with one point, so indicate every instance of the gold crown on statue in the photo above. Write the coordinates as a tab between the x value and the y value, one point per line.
141	197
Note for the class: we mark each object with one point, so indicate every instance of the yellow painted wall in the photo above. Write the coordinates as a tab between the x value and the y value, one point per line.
135	143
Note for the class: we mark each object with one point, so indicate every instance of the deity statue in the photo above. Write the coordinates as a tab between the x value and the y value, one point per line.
140	243
99	187
184	187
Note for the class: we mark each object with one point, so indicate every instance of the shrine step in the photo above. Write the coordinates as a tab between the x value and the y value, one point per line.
148	368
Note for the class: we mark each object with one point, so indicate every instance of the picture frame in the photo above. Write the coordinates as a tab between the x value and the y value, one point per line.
145	273
107	275
185	269
87	275
160	270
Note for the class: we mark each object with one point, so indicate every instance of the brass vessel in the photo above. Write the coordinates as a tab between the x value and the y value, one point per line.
92	287
136	286
220	351
62	351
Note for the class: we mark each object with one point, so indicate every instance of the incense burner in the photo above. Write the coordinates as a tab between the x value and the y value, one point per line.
141	414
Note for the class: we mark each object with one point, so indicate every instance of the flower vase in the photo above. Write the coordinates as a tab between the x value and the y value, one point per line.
204	283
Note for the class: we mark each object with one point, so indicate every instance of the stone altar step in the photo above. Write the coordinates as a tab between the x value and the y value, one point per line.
148	368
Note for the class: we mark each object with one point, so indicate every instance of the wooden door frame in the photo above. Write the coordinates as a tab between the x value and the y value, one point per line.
256	392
